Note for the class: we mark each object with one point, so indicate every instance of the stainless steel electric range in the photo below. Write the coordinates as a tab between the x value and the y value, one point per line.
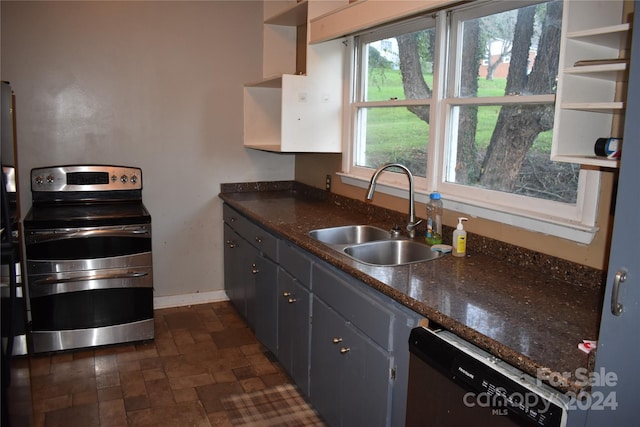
88	257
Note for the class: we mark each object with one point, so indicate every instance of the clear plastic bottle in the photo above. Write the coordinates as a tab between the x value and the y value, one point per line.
434	219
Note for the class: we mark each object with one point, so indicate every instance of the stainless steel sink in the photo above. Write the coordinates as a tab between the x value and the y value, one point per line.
373	245
392	252
349	234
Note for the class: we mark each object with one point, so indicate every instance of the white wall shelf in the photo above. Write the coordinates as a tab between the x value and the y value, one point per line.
299	111
292	16
589	103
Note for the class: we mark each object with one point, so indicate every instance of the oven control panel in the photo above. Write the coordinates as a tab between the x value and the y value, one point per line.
86	178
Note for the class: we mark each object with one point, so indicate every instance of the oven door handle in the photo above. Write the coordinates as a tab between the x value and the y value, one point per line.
49	235
54	284
52	279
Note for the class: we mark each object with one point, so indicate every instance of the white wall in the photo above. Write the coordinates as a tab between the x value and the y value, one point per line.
156	85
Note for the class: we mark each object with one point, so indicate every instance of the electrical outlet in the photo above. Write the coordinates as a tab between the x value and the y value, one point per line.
327	184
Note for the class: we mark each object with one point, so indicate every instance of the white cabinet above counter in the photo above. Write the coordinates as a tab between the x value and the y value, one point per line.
591	79
298	113
299	108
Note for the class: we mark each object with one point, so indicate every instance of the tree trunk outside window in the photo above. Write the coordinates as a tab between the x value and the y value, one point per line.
517	126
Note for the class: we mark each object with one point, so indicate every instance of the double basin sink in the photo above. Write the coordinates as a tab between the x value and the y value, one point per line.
373	245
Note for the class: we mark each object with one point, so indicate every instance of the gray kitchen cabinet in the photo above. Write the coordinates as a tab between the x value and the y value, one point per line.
361	379
352	366
236	257
614	400
265	304
250	275
350	374
294	315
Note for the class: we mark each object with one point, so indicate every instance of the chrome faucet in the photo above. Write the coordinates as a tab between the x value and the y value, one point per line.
411	225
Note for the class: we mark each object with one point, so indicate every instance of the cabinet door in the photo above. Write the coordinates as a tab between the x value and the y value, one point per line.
619	341
237	255
265	274
293	329
350	375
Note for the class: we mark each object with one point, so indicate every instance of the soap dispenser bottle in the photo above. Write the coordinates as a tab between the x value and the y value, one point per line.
459	239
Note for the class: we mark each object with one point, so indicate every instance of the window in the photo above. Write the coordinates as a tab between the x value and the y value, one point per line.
392	112
465	99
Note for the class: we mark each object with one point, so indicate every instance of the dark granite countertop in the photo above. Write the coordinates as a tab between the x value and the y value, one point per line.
527	315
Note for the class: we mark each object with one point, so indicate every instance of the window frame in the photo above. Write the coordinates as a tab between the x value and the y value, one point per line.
573	222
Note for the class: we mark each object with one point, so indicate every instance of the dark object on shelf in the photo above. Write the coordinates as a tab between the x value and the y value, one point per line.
608	147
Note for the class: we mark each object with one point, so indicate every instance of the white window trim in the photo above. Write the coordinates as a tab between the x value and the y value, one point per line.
549	225
578	225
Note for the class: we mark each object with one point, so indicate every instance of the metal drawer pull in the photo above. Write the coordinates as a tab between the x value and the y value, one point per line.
286	294
55	279
291	300
254	269
616	307
41	236
336	340
344	350
231	244
258	239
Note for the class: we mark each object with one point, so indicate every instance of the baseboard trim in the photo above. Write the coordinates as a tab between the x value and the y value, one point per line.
189	299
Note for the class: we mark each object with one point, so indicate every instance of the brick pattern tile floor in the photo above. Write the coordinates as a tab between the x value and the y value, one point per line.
200	355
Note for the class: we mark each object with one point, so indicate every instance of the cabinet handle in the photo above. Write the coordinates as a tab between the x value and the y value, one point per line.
616	307
231	244
291	300
258	239
286	294
345	350
336	340
254	269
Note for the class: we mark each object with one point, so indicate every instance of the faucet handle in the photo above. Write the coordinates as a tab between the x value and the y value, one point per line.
411	228
395	232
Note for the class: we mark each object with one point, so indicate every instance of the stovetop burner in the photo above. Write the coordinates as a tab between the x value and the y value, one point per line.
86	196
86	215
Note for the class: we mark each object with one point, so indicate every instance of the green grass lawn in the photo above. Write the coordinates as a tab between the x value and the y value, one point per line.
396	129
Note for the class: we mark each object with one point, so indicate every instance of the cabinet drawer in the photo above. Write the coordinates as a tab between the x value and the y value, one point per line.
347	296
231	216
264	241
296	262
253	233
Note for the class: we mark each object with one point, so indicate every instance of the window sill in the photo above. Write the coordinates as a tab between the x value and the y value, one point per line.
575	232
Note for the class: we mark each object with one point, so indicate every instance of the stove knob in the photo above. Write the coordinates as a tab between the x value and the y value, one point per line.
123	179
134	179
114	178
50	179
39	180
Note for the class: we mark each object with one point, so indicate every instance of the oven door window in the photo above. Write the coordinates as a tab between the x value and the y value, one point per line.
91	309
87	243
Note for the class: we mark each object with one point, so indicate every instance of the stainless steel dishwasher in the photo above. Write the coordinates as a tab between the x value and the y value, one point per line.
454	383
